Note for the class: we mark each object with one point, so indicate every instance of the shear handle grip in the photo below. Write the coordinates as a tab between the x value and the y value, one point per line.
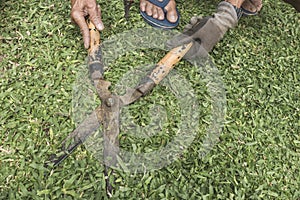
167	63
94	37
95	55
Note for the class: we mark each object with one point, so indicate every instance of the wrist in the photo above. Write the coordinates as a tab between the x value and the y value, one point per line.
237	7
236	3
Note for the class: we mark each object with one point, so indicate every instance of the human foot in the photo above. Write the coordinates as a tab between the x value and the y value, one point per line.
160	9
251	7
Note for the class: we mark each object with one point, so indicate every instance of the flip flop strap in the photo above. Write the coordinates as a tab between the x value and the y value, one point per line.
159	4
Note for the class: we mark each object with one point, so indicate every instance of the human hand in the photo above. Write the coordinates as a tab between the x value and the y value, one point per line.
206	32
81	9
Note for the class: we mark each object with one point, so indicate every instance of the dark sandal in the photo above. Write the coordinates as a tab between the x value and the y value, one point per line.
165	24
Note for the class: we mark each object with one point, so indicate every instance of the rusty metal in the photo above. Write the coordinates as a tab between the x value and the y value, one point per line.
108	113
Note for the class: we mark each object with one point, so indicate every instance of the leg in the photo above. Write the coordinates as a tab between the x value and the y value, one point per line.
294	3
251	7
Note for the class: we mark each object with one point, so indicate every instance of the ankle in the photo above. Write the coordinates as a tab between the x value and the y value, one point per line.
235	3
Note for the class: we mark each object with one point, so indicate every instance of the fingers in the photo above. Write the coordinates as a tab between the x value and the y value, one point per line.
95	17
81	9
79	19
194	20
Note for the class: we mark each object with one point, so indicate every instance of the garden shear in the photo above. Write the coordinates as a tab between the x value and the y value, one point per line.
108	113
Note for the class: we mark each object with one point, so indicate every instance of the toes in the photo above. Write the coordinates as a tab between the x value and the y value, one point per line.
172	16
148	9
161	14
171	11
143	4
154	13
252	5
157	12
151	10
257	4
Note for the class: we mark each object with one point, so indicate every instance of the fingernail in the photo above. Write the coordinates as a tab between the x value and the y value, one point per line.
100	26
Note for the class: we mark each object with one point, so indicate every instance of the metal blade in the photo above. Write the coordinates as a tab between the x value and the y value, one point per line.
77	137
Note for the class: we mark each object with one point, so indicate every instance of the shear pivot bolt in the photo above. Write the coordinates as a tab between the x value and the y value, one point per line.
110	102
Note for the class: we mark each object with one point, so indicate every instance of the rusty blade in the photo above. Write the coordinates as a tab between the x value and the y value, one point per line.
88	126
111	129
77	137
111	122
110	115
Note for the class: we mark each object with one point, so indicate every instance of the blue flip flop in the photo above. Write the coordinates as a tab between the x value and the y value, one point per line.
164	24
248	12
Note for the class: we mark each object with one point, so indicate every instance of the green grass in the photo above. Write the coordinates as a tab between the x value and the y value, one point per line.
257	157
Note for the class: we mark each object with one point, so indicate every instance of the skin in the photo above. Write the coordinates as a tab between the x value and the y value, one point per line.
157	12
82	8
253	5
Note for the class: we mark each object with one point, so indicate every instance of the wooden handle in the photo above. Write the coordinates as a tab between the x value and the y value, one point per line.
167	63
94	37
95	64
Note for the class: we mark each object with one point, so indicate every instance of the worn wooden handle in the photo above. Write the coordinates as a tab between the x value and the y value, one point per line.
94	37
167	63
95	55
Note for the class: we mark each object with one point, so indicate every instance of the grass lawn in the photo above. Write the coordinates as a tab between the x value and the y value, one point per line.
258	152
